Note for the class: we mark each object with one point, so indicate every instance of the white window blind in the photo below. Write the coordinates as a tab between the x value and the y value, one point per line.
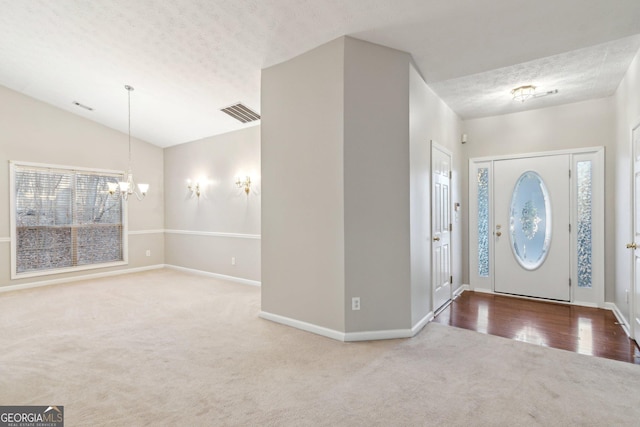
64	219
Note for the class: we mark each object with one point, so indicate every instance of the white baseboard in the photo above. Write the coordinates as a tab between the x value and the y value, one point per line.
215	275
59	281
422	323
621	319
587	304
348	336
41	283
483	290
309	327
460	290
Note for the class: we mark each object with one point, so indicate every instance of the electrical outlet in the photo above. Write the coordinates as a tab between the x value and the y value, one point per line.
148	253
355	303
233	260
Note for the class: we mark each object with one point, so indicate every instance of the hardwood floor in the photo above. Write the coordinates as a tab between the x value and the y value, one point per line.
583	330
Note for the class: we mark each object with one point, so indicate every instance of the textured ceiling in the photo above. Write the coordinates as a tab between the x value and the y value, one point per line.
592	72
187	59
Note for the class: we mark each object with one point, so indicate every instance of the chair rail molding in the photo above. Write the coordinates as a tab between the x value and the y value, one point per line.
136	232
214	234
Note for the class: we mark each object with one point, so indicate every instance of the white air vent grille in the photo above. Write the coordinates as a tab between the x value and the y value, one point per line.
242	113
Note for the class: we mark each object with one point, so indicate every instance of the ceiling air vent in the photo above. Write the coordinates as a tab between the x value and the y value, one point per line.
242	113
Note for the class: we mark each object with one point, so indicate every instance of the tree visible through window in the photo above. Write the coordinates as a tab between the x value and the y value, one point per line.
64	219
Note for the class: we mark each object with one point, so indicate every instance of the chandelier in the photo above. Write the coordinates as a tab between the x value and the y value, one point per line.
128	186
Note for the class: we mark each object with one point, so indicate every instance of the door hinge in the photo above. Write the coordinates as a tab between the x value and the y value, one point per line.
451	279
569	281
569	228
450	227
569	173
450	175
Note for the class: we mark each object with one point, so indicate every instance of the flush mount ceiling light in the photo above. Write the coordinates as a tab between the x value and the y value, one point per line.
128	187
522	93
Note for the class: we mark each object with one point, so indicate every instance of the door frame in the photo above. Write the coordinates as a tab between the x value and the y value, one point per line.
634	303
436	146
594	296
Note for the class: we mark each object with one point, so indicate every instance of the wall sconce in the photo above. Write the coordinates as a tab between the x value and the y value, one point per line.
194	188
246	183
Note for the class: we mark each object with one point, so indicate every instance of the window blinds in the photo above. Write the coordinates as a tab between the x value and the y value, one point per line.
65	218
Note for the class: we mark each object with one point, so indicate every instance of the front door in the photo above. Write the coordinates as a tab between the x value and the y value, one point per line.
531	227
441	226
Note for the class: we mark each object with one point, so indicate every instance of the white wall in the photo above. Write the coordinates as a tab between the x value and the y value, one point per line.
584	124
430	119
627	106
204	233
33	131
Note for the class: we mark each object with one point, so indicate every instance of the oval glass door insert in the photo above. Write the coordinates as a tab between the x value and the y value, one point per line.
530	221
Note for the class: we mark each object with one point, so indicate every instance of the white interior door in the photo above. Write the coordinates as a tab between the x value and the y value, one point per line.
635	327
441	226
531	227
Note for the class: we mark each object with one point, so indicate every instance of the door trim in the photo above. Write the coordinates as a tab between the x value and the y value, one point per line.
633	303
585	296
435	145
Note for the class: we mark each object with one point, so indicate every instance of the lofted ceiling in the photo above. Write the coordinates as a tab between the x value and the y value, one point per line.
187	59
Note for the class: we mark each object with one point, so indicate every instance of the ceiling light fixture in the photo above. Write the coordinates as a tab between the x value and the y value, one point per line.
128	186
522	93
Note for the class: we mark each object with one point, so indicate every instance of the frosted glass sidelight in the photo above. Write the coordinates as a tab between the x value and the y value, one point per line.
483	222
584	223
530	221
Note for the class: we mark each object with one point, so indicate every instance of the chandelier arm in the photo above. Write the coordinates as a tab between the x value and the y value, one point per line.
137	194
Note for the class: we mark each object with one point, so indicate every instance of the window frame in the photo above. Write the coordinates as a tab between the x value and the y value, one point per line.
13	166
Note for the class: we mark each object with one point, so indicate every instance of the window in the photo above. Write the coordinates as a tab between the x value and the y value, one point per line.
530	221
64	219
483	222
585	208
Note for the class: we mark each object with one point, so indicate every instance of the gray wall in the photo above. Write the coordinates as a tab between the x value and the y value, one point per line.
627	106
355	119
376	186
33	131
431	119
303	273
584	124
204	233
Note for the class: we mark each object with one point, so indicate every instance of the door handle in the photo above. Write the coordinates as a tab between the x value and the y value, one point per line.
632	245
498	233
436	239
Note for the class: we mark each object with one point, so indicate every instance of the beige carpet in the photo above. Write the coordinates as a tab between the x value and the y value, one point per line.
166	348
